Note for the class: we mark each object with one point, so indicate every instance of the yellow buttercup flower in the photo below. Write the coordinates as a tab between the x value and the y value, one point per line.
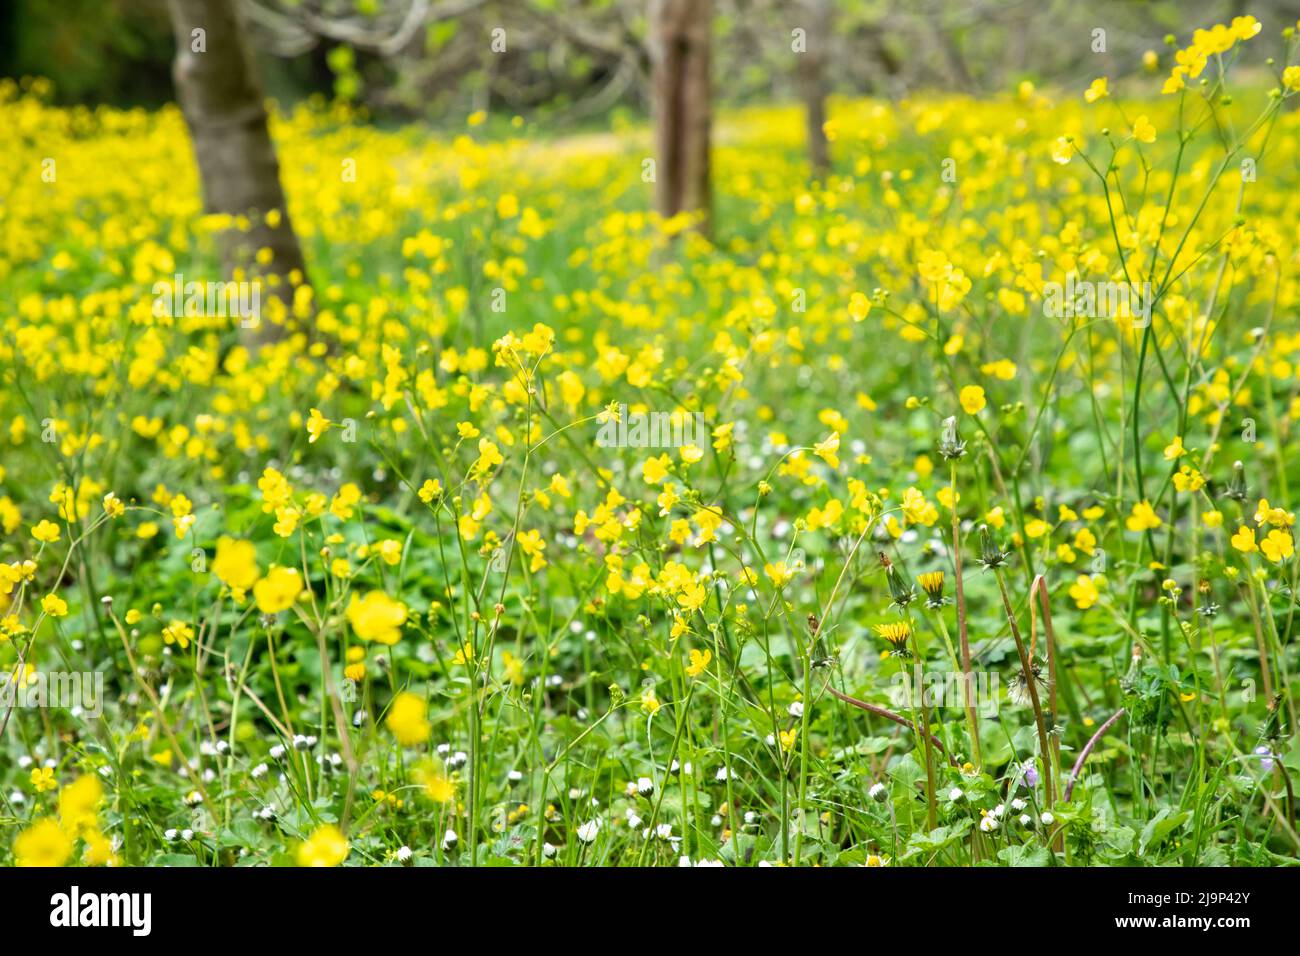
655	469
699	661
79	801
377	617
1244	540
859	306
317	425
828	449
327	846
1084	592
42	779
408	719
179	633
43	844
278	590
1143	517
437	785
972	399
1278	546
235	563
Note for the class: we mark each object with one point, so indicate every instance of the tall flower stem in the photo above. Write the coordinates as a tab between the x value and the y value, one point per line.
888	715
1087	749
966	673
1031	684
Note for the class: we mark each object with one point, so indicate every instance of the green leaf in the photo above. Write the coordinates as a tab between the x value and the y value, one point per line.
1159	827
1029	854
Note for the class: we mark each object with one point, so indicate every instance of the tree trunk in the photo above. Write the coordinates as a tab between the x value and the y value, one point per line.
679	50
816	22
222	102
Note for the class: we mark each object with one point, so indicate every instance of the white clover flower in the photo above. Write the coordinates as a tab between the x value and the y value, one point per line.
587	832
449	839
1047	819
1017	804
403	853
1026	820
796	709
645	786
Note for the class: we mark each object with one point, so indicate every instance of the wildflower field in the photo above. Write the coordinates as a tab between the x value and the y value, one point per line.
936	511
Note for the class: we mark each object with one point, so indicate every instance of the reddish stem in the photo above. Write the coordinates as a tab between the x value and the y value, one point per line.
1083	754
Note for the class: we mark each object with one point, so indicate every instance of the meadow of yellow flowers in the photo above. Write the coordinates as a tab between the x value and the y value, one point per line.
935	513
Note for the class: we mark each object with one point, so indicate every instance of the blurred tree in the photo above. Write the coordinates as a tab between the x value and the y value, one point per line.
565	61
817	25
223	107
93	51
679	51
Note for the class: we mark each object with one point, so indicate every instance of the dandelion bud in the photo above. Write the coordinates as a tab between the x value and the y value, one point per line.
951	446
900	590
991	556
1236	489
